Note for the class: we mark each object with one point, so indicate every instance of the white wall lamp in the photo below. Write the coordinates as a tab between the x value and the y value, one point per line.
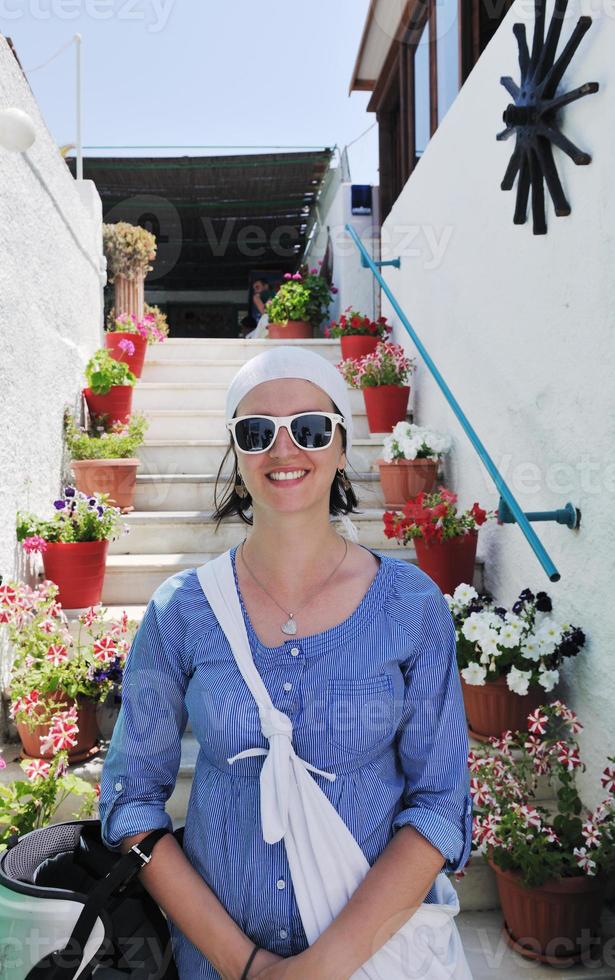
17	131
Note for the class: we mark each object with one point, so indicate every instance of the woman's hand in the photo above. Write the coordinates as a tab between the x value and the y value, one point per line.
279	968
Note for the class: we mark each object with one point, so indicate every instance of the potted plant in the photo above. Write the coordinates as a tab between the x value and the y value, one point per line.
299	306
445	540
507	660
551	869
358	334
103	458
129	249
110	385
127	338
27	804
57	680
74	544
382	376
410	462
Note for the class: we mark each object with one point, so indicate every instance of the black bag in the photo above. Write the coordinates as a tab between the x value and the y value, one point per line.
70	861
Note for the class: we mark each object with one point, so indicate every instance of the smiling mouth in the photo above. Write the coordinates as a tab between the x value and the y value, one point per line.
291	476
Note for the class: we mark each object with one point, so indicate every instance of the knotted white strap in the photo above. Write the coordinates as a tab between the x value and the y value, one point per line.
276	772
326	863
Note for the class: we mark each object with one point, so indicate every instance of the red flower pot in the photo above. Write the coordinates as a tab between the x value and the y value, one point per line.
116	404
293	330
358	345
386	405
450	562
78	569
117	477
552	922
404	479
134	361
492	708
86	736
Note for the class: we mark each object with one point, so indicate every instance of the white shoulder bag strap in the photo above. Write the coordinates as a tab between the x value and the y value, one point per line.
326	863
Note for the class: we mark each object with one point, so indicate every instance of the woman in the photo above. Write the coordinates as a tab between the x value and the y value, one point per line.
356	648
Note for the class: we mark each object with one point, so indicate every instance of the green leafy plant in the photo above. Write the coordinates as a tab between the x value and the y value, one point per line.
27	804
354	324
103	373
128	249
520	835
77	517
50	660
388	365
303	296
100	441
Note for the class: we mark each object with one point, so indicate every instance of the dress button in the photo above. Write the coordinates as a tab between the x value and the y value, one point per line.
294	652
283	934
288	686
280	883
118	786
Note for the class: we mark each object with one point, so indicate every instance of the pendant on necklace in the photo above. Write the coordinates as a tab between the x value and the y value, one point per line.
290	626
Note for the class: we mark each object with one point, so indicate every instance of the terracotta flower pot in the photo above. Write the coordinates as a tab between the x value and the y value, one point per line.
116	404
134	361
358	345
78	569
552	922
117	477
386	405
293	330
86	737
492	708
403	479
450	562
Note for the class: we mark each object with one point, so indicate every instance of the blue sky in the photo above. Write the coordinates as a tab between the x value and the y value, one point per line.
197	72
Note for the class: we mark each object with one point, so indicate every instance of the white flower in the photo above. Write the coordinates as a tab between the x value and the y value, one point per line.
473	627
474	674
400	430
548	635
509	636
488	642
548	679
530	649
518	680
464	594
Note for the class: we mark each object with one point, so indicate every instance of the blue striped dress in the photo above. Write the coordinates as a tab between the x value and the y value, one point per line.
375	699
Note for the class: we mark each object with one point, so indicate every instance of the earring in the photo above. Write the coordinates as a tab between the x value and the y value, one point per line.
240	487
345	481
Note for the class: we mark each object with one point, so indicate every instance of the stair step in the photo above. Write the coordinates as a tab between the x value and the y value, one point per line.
191	370
195	491
489	956
204	394
194	423
231	348
198	455
188	531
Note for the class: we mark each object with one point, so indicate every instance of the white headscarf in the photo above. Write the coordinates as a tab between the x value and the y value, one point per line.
291	362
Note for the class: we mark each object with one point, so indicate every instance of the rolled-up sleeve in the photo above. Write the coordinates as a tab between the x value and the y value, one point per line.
433	740
142	762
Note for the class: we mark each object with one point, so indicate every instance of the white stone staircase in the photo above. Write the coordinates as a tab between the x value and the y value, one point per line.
182	392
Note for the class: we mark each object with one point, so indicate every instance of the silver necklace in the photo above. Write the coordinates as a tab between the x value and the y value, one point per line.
290	626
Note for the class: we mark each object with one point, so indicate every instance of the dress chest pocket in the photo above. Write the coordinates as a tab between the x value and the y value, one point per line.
360	713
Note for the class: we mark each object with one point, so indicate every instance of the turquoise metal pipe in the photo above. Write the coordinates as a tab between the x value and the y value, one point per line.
505	492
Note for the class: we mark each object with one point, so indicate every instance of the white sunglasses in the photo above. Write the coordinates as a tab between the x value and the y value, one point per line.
308	430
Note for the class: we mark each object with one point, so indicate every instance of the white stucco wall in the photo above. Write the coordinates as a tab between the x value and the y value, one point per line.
356	285
521	327
50	309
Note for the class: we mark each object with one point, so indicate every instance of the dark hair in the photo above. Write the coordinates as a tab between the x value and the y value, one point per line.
230	504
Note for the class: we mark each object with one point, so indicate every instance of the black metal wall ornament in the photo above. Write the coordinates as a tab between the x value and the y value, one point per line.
532	117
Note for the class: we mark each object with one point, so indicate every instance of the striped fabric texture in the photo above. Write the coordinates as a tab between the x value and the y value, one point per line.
376	700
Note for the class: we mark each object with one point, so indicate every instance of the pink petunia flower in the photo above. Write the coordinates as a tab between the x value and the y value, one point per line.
584	861
105	649
591	834
37	769
608	779
537	722
57	654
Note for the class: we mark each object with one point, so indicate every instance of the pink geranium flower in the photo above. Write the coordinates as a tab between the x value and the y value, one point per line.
34	544
127	346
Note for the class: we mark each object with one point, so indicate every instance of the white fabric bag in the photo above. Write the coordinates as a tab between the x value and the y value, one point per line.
326	863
